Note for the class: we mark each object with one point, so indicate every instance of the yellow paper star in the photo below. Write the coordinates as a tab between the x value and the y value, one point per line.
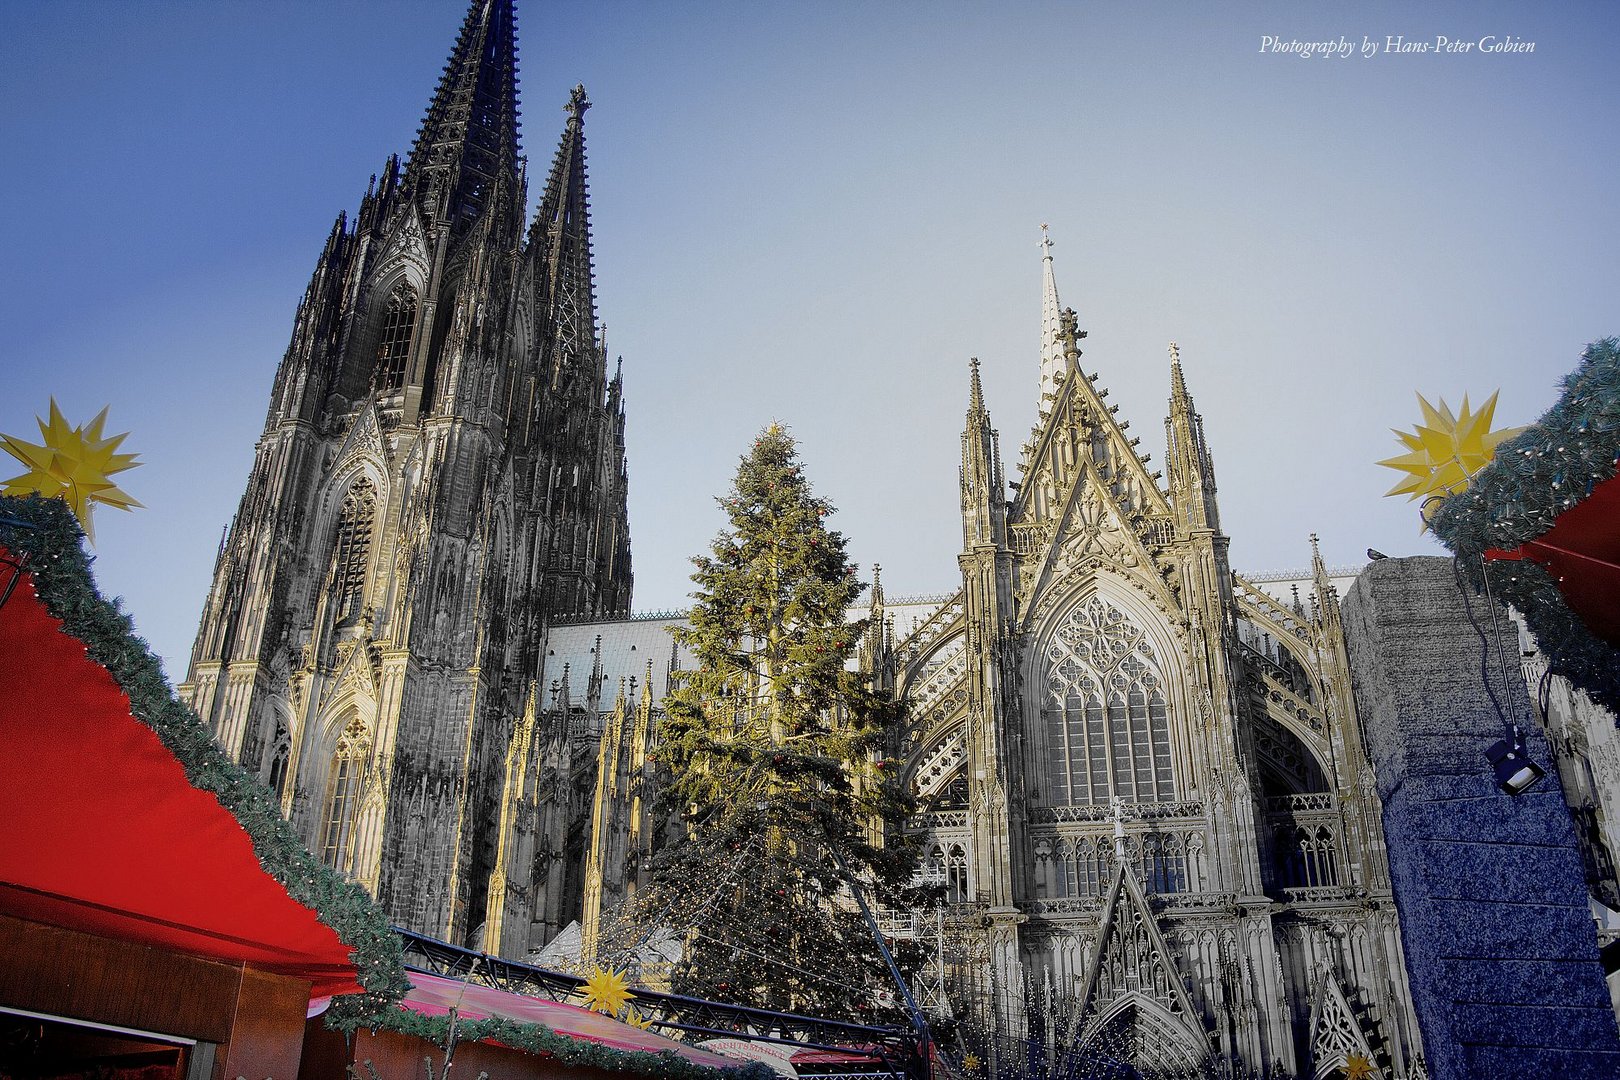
607	992
970	1062
73	463
635	1019
1356	1066
1446	450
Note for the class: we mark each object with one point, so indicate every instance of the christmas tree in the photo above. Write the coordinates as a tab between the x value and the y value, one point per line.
777	792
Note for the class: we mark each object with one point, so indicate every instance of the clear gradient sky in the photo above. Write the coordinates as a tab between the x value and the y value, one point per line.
816	213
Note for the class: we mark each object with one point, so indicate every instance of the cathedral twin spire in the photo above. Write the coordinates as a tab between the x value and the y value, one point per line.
466	152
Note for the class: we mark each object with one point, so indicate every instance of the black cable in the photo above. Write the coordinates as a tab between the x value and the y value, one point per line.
1484	649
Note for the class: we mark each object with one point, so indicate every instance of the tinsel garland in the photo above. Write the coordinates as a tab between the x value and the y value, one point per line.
62	580
539	1039
1537	475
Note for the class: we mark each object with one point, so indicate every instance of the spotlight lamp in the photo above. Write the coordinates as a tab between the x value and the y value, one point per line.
1515	772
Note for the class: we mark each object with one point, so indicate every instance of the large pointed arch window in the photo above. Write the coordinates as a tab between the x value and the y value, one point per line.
394	339
342	793
1107	724
352	551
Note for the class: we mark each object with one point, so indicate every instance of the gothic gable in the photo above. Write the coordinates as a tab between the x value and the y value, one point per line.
362	443
1080	430
1336	1036
1091	534
1132	959
353	684
404	253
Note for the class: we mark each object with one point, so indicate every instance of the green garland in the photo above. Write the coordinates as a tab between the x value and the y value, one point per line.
62	579
1537	475
540	1039
61	573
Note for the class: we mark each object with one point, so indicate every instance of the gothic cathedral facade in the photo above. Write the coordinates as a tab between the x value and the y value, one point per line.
441	474
1140	775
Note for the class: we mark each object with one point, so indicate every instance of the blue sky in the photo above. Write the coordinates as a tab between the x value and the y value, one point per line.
816	213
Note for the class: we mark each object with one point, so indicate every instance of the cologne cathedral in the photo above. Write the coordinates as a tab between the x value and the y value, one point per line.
1139	774
441	475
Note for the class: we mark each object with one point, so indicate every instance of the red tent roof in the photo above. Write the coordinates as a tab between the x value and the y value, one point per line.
1582	552
103	832
431	995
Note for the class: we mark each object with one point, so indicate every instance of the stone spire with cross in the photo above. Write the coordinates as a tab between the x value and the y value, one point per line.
1051	329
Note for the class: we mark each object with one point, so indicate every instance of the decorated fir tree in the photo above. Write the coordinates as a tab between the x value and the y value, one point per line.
777	791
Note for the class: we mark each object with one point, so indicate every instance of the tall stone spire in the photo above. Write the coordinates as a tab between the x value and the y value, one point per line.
560	242
467	147
1051	330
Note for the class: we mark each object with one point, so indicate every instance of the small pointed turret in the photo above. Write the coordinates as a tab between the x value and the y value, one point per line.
984	495
873	654
593	690
1327	596
467	147
1192	473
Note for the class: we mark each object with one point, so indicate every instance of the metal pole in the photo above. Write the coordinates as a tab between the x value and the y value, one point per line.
918	1021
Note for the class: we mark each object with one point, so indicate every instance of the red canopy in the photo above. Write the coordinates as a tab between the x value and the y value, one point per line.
433	996
103	833
1582	552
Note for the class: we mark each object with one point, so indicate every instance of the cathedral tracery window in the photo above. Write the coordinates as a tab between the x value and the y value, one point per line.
342	791
945	865
1107	724
352	551
394	339
957	889
279	759
1084	865
1164	864
1307	858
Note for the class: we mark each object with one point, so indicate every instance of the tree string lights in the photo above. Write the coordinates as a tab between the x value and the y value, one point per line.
773	745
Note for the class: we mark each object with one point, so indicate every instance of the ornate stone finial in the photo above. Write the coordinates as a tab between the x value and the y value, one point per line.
1069	326
976	392
1175	354
1046	243
577	102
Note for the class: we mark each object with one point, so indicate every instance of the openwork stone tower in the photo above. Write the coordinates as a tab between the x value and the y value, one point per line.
441	475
